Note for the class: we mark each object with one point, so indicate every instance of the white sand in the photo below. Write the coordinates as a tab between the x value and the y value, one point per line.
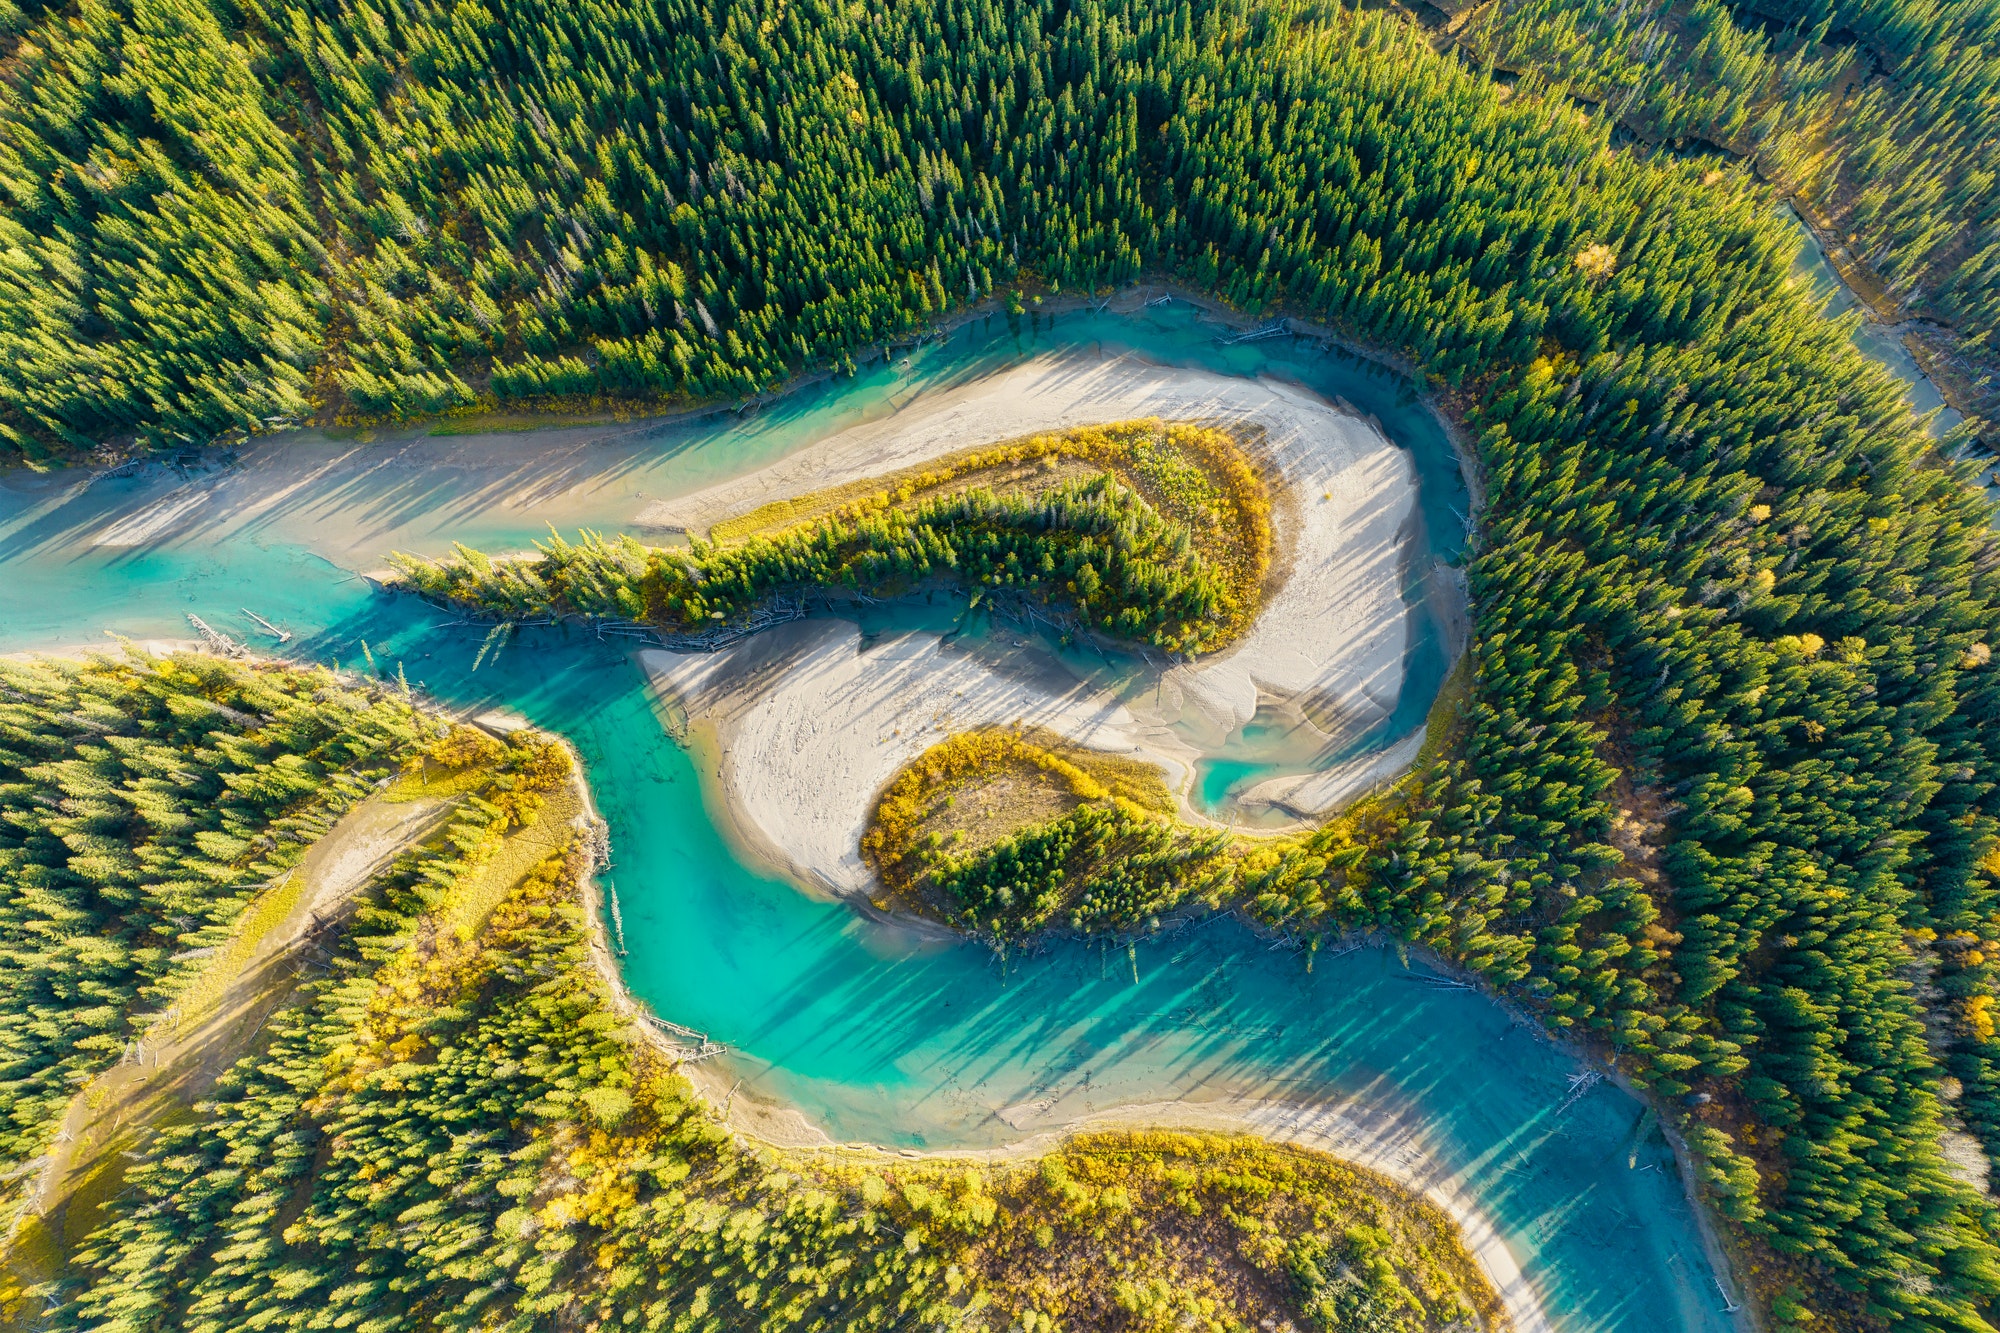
1328	647
810	727
1330	642
144	525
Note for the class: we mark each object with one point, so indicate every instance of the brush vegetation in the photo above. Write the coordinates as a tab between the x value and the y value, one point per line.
1007	833
1175	558
456	1129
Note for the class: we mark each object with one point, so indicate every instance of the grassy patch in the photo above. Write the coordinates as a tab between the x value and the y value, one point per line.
430	779
974	788
1009	832
480	892
263	914
1173	1230
1199	475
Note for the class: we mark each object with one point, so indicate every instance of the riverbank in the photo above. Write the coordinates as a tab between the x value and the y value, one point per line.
1368	1137
1376	1138
805	725
808	725
867	1030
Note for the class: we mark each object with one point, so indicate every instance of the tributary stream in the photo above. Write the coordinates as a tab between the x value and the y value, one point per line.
874	1032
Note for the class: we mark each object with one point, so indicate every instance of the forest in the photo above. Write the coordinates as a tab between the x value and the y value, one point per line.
1875	116
217	221
456	1126
142	805
1724	795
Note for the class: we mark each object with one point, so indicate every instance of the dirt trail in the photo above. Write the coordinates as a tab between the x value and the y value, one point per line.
183	1053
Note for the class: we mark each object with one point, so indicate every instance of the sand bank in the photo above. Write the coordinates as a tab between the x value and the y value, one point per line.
1309	795
808	727
809	724
1379	1137
1331	640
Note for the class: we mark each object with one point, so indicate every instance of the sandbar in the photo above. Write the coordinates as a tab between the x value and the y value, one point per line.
1331	639
807	725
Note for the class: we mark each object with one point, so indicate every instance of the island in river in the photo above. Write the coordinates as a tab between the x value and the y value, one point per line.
883	1035
808	722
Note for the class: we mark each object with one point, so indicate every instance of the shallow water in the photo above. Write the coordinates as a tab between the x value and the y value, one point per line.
874	1032
1873	340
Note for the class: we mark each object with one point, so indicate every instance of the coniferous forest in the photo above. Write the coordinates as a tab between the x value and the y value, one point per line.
224	219
1876	117
145	804
1723	798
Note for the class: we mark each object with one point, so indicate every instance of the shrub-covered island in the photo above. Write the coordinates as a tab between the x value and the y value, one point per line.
1155	533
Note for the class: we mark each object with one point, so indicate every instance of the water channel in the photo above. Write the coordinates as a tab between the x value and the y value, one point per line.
1871	339
872	1031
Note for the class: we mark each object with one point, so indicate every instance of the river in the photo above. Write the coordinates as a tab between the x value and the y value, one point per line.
1873	340
872	1031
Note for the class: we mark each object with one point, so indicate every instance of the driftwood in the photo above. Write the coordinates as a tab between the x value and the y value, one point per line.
775	612
1578	1085
1280	329
215	639
703	1048
281	635
617	917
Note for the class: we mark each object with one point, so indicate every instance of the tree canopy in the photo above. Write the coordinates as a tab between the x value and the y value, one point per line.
1725	798
142	804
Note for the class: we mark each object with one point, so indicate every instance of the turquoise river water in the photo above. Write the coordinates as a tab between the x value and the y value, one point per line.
872	1031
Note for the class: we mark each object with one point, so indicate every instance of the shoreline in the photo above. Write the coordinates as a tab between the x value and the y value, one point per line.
1371	1140
801	726
1077	304
1375	1143
1346	1130
794	713
617	419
